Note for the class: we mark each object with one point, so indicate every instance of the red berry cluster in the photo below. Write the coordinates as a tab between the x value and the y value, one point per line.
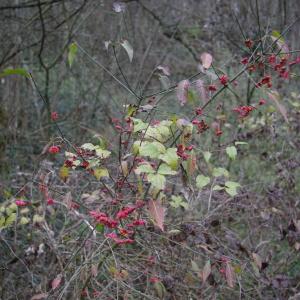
244	111
224	79
181	151
201	125
122	234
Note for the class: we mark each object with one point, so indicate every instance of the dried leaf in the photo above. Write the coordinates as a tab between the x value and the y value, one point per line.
206	60
67	199
119	6
274	96
124	167
229	274
157	213
128	48
182	91
206	271
106	44
164	69
56	282
39	296
94	270
195	267
257	259
201	90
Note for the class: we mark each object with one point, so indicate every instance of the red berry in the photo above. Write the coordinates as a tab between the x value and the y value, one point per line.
54	116
54	149
248	43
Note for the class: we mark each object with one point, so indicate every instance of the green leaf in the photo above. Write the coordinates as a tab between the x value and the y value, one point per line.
218	188
38	219
177	201
231	188
240	143
102	153
192	96
157	180
24	221
207	156
218	172
63	173
164	169
16	71
144	168
170	157
72	53
100	172
2	221
88	146
153	133
11	219
202	181
100	228
128	48
277	35
160	289
153	150
231	152
138	125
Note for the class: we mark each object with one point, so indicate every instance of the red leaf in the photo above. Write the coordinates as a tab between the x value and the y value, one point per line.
157	213
206	60
182	91
56	282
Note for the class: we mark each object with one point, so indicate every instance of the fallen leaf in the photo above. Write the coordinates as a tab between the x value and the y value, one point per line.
39	296
229	274
257	259
206	271
157	213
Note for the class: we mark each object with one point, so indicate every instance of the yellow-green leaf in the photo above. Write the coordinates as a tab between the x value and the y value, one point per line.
72	53
101	172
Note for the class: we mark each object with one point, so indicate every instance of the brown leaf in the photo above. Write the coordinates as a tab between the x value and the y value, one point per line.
124	167
274	96
206	271
257	259
164	69
206	60
157	213
67	199
56	282
94	270
229	274
39	296
182	91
